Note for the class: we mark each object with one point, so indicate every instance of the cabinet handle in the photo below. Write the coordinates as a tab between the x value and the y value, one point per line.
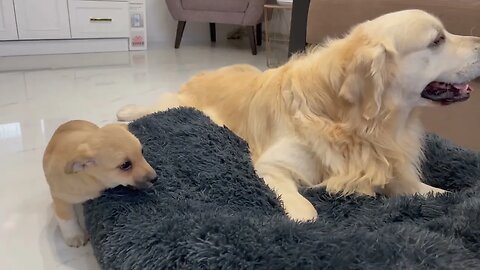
100	19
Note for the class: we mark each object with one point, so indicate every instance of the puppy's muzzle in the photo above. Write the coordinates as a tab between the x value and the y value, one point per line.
147	181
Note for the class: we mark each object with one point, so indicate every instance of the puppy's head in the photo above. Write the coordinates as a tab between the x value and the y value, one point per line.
410	56
113	156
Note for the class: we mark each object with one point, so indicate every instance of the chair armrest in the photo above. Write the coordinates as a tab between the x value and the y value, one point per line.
176	9
254	12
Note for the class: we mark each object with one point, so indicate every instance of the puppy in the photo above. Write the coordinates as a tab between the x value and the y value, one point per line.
345	114
82	160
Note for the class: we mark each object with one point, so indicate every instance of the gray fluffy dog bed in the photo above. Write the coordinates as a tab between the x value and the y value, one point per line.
209	210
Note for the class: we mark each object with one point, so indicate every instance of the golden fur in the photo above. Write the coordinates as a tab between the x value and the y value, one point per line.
343	115
81	160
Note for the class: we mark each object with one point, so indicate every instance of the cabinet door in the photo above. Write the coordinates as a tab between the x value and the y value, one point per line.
42	19
8	26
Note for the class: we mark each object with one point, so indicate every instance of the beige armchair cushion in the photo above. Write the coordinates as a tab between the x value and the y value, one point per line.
216	5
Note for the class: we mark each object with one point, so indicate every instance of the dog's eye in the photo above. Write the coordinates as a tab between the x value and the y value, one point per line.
127	165
437	42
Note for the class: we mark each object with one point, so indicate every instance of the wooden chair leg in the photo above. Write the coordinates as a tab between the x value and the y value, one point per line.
251	37
213	34
180	28
259	34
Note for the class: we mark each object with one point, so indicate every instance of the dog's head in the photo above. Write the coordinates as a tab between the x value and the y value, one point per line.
411	58
114	156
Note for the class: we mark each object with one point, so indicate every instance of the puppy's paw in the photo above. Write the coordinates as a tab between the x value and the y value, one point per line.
77	240
72	233
437	191
426	190
300	210
129	113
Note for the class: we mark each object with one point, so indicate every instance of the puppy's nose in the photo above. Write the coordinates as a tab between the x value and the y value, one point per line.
153	179
153	176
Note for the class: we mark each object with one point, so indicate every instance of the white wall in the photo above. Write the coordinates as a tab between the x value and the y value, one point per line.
161	27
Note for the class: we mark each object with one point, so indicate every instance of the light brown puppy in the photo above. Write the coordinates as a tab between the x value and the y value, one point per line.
82	160
345	114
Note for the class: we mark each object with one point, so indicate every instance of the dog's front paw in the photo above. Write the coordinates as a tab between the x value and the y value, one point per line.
72	233
77	240
426	190
130	112
300	209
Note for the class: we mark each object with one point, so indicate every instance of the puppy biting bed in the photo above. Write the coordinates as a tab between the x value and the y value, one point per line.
209	210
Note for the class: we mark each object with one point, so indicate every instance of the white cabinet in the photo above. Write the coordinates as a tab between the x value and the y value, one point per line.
29	27
99	19
8	26
42	19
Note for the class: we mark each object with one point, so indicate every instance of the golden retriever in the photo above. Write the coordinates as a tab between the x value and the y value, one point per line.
344	115
82	160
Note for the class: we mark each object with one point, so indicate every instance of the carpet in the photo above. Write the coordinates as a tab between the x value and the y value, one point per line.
209	210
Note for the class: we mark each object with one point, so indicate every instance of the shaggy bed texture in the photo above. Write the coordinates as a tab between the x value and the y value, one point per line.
209	210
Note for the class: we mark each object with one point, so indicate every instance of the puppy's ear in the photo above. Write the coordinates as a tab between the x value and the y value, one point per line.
366	78
83	159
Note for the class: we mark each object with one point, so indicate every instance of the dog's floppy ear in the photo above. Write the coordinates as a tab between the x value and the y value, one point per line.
83	159
366	77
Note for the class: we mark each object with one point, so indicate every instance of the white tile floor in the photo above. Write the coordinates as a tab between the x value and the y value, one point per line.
34	102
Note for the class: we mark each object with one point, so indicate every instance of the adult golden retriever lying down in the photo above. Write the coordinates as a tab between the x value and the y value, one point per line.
344	115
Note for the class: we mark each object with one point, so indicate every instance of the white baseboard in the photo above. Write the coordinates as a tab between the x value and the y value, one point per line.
62	46
57	61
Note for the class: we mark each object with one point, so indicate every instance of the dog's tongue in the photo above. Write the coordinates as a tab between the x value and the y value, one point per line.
461	86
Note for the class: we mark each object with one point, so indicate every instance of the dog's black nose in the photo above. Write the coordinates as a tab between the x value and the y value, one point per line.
154	179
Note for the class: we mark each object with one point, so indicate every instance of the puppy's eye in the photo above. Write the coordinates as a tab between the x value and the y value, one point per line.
126	166
437	42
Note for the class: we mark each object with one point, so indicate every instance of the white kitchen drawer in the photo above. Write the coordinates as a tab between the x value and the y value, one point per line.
99	19
110	0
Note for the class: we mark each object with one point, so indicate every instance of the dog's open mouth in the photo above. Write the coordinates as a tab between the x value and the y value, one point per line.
447	93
